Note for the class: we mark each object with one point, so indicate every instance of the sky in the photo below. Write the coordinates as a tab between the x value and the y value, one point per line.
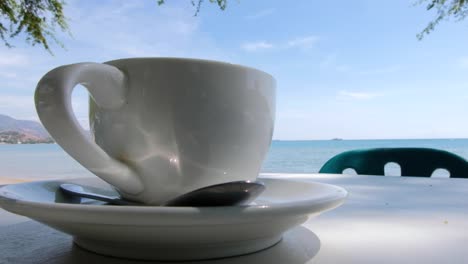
344	69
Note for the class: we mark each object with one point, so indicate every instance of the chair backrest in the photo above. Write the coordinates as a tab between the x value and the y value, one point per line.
415	162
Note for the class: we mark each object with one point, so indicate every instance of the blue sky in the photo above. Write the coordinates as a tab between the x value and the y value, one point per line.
348	69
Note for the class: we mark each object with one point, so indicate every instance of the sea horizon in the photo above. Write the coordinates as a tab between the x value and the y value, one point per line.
330	139
368	139
46	161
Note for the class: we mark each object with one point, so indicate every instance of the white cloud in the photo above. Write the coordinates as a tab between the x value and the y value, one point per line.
12	59
13	100
261	14
18	106
22	67
138	29
303	42
358	95
8	74
256	46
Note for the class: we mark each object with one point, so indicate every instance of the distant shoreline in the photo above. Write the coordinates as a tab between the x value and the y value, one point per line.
41	143
286	140
363	139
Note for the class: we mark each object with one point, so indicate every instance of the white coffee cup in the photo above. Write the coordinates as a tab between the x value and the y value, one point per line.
162	127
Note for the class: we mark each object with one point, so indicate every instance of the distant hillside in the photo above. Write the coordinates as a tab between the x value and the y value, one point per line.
24	131
13	137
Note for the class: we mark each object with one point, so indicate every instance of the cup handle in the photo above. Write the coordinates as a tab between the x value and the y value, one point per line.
107	86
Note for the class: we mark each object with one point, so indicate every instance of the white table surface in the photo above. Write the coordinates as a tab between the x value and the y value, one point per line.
384	220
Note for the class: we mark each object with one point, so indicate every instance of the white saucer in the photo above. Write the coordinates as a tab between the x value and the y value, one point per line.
173	233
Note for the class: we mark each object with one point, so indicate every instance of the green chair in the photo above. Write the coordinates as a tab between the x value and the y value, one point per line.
416	162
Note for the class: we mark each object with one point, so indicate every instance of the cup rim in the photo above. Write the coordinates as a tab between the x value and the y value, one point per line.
206	61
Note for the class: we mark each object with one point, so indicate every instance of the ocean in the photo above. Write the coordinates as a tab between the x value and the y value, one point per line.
50	161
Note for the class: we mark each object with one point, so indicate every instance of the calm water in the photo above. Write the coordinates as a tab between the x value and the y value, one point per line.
50	161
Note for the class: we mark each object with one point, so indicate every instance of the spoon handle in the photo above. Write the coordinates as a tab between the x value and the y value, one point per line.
71	189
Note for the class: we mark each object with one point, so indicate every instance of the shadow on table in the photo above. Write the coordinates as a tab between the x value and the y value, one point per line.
297	247
32	242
